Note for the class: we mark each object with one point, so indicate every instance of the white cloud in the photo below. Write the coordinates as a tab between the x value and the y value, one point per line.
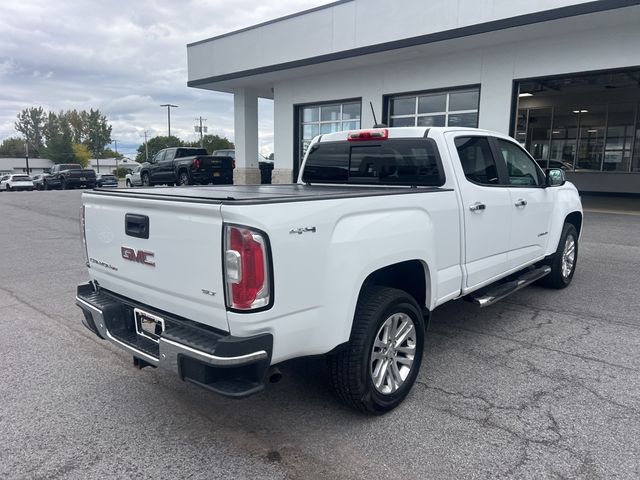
125	58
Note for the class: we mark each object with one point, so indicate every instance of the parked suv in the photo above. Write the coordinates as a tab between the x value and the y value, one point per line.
133	177
12	183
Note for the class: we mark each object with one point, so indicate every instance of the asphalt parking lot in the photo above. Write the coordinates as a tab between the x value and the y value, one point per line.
545	384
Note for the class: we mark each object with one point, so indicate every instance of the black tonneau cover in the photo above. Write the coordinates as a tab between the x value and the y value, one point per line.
258	194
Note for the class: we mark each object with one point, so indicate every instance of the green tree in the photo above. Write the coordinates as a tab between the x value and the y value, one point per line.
97	133
82	154
156	144
31	122
57	134
212	143
78	123
12	147
108	153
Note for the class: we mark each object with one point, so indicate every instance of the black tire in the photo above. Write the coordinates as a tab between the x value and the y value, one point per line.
351	370
45	186
183	178
9	189
128	183
559	277
63	184
146	181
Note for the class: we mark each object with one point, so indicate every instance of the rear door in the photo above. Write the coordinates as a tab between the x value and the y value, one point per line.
177	269
486	205
531	204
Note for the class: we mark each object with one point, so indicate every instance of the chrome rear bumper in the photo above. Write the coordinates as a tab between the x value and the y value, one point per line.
219	362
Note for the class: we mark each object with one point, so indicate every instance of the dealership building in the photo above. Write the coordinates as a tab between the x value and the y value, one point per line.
562	77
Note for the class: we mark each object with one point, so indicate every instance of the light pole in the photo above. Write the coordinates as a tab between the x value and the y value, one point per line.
116	143
169	107
26	152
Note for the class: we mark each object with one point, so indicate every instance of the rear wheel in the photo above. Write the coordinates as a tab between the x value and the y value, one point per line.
563	263
183	178
381	363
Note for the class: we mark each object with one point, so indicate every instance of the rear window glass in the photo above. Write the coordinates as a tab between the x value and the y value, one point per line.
190	152
399	161
21	178
70	166
108	177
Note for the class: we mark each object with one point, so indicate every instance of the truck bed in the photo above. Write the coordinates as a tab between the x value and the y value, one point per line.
260	194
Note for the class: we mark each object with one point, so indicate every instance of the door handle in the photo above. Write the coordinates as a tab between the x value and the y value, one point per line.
477	206
521	202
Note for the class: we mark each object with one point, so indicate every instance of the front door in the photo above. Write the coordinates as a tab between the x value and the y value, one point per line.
486	205
531	205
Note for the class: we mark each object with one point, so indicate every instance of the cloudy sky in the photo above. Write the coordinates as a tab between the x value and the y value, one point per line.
125	57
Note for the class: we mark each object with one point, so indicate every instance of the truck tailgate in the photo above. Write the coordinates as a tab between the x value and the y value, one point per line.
177	269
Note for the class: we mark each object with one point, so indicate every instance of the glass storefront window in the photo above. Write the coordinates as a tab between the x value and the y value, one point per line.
432	103
619	139
327	118
584	122
438	109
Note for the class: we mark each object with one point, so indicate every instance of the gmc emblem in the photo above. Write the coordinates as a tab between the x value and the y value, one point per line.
140	256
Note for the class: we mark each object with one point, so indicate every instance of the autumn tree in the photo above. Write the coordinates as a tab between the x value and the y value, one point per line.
81	154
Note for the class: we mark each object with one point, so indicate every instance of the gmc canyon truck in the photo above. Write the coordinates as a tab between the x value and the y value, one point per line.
222	284
186	166
69	175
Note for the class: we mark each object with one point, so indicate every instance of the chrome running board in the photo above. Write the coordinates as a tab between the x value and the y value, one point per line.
494	294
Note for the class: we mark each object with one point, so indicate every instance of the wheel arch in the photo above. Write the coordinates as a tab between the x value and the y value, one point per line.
411	276
575	218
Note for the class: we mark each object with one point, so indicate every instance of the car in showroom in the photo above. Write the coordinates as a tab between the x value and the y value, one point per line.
12	183
106	180
132	179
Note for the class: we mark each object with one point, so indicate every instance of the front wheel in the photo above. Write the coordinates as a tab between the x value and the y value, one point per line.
63	184
377	369
563	262
128	183
145	180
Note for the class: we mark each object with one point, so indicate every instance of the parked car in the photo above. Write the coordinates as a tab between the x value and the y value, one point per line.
264	164
12	183
223	284
106	180
69	175
133	177
38	181
186	166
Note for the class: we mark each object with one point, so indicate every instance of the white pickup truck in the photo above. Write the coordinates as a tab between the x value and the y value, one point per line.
221	284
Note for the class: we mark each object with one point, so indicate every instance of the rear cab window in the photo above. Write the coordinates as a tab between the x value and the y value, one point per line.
477	160
410	161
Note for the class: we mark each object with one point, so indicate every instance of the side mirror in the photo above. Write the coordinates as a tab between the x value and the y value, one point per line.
555	177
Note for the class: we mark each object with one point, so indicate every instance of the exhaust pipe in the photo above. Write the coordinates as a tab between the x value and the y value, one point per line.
274	375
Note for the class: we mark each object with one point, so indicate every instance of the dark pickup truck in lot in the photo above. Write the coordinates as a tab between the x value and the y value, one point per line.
187	166
69	175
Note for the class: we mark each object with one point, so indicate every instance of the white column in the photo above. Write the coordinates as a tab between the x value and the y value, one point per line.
245	110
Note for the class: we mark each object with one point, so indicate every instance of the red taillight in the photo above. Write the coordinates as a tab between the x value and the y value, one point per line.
363	135
246	269
196	163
